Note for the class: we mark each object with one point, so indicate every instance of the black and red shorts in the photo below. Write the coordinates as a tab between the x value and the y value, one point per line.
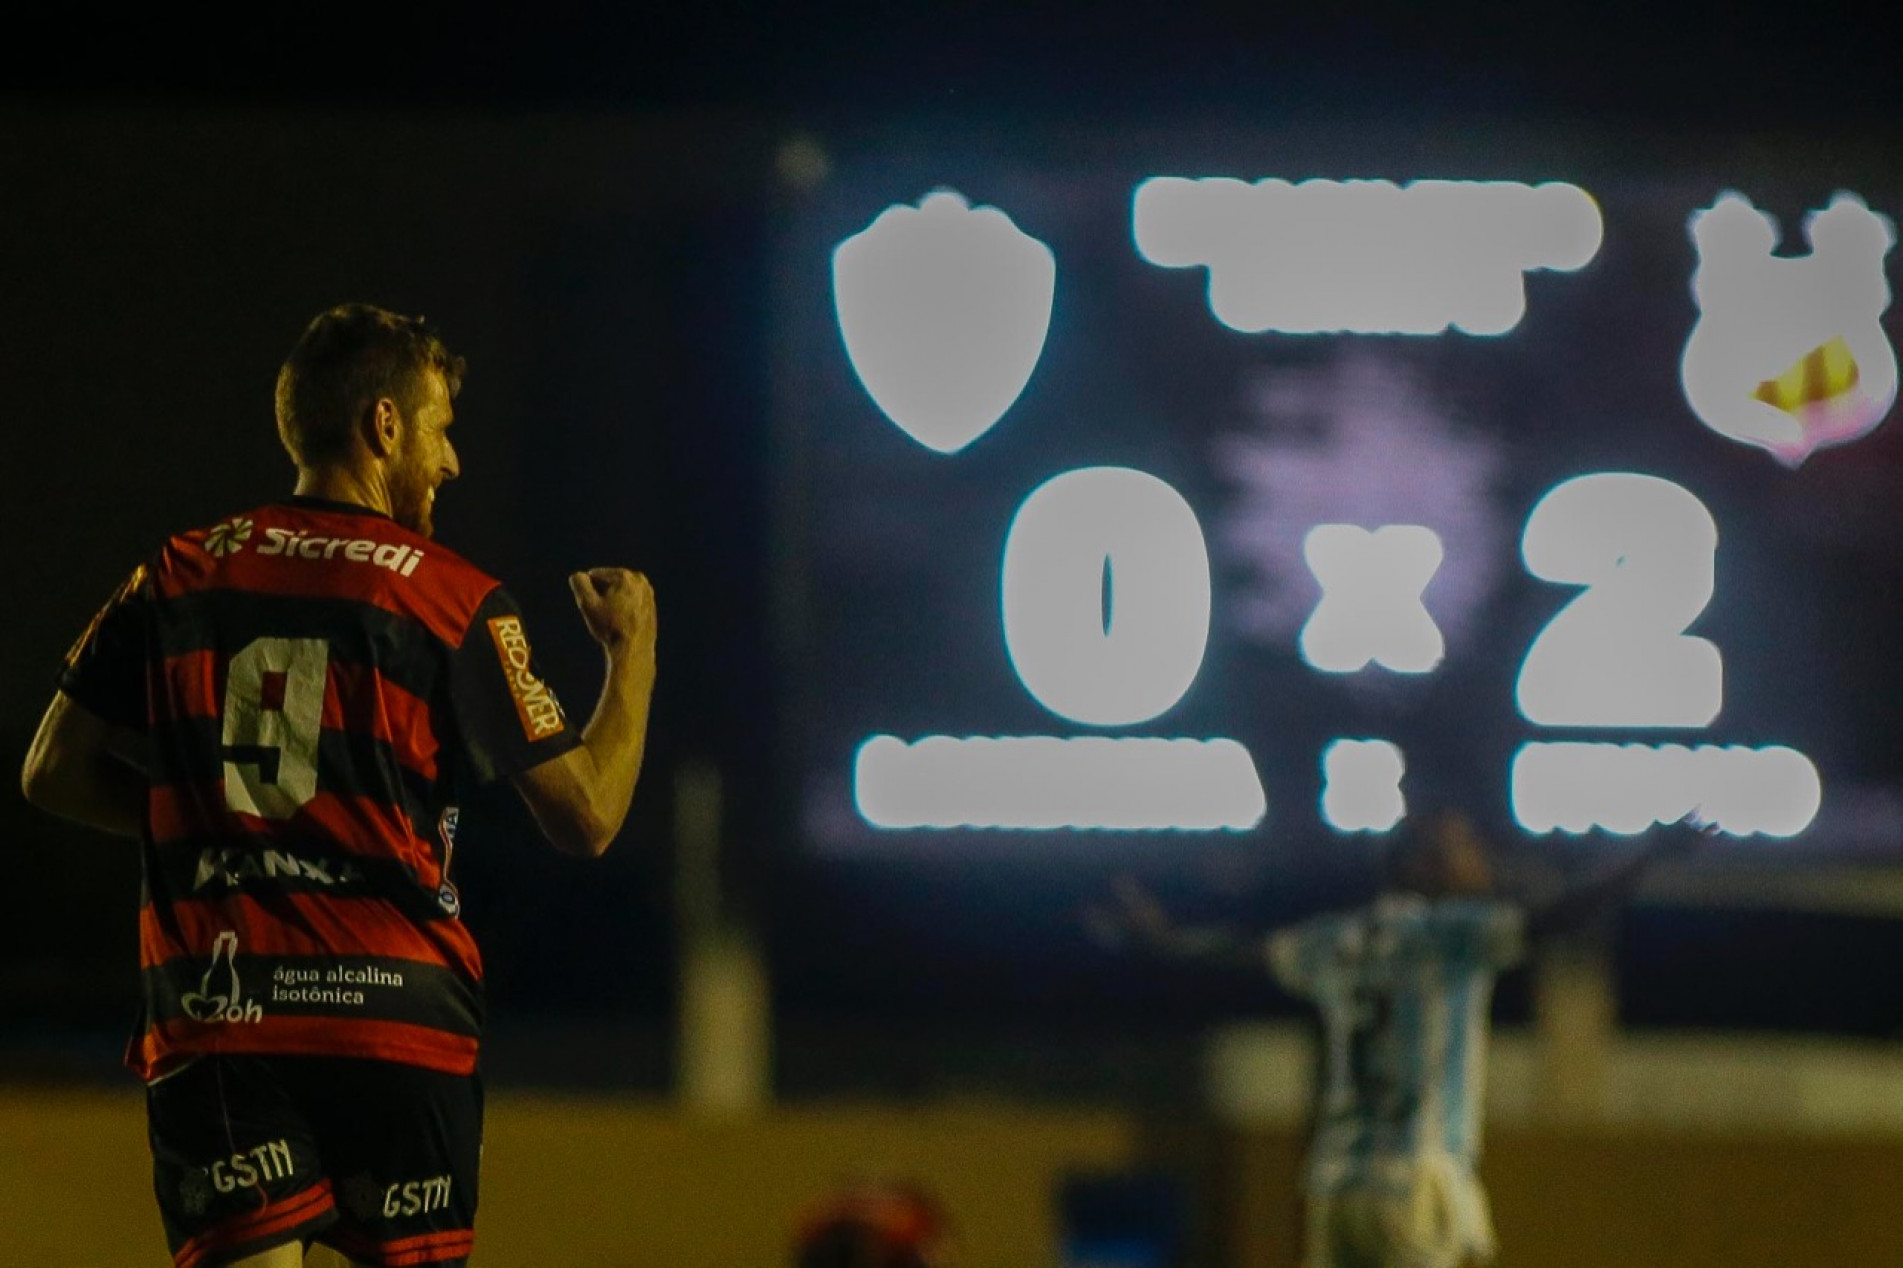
377	1159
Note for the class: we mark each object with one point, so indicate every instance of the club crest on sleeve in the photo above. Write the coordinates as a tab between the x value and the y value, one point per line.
447	896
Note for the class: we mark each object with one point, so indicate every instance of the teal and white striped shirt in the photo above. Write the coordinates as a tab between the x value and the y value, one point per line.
1404	988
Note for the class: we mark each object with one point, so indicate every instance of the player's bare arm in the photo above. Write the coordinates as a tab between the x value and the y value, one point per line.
1134	918
83	768
1618	882
581	798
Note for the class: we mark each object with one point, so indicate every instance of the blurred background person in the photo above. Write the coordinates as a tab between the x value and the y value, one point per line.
1403	985
875	1224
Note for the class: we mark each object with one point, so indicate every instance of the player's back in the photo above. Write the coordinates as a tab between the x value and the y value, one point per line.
299	665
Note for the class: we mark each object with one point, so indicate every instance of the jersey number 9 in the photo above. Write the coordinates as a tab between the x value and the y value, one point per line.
273	716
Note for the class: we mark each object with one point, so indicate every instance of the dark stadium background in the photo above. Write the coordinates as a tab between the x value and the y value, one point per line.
177	196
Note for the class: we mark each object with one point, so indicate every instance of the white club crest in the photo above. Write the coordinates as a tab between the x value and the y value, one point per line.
1788	353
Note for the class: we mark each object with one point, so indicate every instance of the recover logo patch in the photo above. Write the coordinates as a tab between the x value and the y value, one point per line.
535	704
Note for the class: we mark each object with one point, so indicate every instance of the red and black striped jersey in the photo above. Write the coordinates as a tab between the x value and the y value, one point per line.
315	681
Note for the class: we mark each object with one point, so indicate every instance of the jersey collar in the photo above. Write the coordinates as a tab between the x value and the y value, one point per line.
309	503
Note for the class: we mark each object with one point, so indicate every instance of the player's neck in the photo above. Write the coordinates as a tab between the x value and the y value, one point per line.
342	484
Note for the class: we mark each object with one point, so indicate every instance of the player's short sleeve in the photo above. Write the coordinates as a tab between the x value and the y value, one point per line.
104	670
507	716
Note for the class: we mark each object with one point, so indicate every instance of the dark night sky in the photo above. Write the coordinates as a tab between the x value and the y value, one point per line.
1751	65
177	195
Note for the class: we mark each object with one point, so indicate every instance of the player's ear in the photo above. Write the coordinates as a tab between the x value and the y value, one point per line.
383	427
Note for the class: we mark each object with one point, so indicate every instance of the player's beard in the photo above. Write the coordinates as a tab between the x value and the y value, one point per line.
411	497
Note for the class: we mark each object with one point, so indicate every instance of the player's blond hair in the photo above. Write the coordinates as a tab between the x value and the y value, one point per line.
348	358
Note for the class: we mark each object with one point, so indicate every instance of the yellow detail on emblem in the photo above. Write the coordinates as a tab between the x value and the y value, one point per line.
1826	371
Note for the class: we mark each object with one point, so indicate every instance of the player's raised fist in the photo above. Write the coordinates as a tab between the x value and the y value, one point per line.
617	606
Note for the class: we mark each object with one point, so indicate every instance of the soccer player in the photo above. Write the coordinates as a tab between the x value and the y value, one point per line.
1403	986
282	708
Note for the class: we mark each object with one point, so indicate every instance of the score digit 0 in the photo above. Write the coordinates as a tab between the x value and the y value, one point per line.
1106	596
1105	601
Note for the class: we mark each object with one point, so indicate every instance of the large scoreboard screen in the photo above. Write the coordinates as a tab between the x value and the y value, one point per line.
1138	493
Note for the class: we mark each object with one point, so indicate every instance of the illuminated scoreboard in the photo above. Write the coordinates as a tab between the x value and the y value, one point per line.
1131	497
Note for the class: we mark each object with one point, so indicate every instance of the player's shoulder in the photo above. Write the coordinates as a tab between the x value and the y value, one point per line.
1332	927
193	553
442	587
1475	927
435	582
221	537
449	568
